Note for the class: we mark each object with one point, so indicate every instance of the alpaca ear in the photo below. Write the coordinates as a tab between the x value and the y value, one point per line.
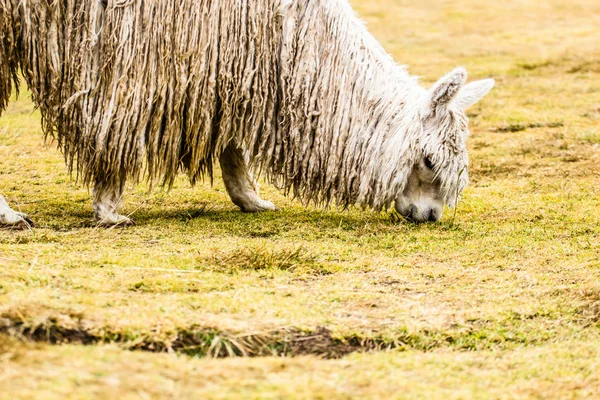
473	92
446	89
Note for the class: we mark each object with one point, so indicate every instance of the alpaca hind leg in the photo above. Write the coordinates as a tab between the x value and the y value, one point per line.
12	219
106	203
239	182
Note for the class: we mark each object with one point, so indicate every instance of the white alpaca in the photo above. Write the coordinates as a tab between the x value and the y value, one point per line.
296	90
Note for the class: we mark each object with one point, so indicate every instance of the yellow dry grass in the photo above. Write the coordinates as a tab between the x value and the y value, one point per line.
500	301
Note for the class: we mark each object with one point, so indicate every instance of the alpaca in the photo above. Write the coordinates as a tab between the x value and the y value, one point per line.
297	91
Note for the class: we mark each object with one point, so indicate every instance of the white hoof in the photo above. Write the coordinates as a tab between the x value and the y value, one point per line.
13	220
268	206
114	220
259	206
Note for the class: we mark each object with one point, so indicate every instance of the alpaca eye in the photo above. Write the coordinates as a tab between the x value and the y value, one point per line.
428	163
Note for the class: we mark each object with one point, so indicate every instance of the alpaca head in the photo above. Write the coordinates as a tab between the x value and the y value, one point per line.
440	170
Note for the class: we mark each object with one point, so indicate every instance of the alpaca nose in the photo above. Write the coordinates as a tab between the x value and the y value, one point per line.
434	216
413	212
414	215
428	215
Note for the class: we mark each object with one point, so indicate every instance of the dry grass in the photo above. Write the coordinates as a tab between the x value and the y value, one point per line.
560	370
506	293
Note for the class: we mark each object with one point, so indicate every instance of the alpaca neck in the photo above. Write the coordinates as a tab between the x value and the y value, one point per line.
346	119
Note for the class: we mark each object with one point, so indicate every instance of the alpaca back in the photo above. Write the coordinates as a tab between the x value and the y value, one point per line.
149	88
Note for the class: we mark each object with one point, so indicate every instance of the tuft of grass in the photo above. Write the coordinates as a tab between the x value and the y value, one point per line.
590	136
261	258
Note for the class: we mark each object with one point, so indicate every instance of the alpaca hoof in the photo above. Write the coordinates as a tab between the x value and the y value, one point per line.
115	220
263	205
27	222
19	226
17	222
269	206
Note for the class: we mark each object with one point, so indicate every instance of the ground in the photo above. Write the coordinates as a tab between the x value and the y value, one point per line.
501	299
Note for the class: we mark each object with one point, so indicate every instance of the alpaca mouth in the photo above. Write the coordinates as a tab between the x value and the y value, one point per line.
416	221
417	216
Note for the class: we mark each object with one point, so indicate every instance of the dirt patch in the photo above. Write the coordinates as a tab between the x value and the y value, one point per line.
73	328
56	327
536	65
562	64
592	66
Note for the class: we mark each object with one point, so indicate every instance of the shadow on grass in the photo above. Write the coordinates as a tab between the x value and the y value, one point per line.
56	216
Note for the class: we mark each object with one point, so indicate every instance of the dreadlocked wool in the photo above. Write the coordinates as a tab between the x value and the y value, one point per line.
135	89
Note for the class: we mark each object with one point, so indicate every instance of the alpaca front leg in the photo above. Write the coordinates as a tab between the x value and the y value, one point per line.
239	182
12	219
106	204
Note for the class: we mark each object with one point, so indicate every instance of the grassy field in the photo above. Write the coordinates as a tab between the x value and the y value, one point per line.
499	300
